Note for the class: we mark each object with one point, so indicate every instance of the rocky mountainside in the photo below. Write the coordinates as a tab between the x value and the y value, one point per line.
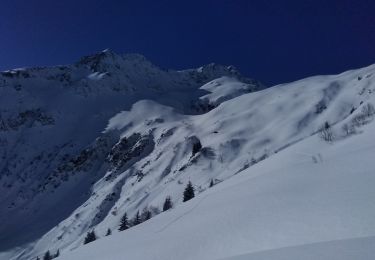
57	145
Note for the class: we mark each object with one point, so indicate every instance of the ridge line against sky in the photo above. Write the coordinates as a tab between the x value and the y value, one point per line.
273	41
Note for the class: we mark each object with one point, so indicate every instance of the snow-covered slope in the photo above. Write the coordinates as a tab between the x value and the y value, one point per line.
347	249
109	141
288	201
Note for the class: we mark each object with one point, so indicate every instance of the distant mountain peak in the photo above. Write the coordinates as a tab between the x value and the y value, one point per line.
104	57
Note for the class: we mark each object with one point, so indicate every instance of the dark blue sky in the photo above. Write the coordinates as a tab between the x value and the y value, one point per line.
273	41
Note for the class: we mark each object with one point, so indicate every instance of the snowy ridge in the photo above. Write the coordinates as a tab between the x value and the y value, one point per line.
126	161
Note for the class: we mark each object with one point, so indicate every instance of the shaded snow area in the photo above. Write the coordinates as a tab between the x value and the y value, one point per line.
291	166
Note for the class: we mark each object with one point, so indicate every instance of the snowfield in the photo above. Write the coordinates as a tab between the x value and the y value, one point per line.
120	135
357	248
309	210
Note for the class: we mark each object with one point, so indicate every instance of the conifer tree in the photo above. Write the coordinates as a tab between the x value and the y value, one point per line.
124	224
109	232
167	203
137	219
189	192
90	237
146	214
47	256
212	183
57	253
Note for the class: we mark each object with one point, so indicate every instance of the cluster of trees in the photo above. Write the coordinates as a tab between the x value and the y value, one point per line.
365	116
49	256
125	223
326	132
90	237
146	214
138	218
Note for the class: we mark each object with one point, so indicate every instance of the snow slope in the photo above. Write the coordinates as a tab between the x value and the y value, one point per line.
357	248
278	184
288	201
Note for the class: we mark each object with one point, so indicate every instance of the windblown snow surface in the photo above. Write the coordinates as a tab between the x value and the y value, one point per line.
281	191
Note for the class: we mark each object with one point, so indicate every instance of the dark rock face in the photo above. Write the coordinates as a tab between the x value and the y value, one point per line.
27	118
128	149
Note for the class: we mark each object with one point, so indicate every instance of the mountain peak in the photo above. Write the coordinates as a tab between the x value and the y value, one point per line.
107	59
103	57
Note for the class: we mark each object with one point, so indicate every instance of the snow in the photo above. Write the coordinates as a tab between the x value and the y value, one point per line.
357	248
223	89
122	139
285	202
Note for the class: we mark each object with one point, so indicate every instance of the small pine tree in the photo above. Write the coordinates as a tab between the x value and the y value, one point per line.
137	219
189	192
326	132
37	258
57	253
212	183
146	214
124	224
47	256
109	232
90	237
93	236
167	203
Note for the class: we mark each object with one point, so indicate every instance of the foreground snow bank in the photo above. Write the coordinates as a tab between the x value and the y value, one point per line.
348	249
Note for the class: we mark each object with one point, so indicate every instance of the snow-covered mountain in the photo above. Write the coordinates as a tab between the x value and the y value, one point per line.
53	143
83	144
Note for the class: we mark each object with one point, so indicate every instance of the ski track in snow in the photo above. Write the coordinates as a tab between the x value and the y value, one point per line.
183	215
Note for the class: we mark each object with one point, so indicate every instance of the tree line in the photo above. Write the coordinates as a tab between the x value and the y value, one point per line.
146	214
138	218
